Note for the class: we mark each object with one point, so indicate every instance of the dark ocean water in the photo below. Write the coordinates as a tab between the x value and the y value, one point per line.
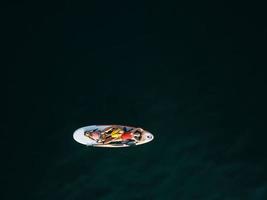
194	76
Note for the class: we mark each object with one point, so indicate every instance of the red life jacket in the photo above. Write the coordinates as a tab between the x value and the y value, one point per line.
127	136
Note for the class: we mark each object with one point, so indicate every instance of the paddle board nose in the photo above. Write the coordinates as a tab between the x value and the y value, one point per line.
79	136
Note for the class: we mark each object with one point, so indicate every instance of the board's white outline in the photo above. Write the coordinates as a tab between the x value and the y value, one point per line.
79	137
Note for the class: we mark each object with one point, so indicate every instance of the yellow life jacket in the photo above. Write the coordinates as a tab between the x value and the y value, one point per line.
116	133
